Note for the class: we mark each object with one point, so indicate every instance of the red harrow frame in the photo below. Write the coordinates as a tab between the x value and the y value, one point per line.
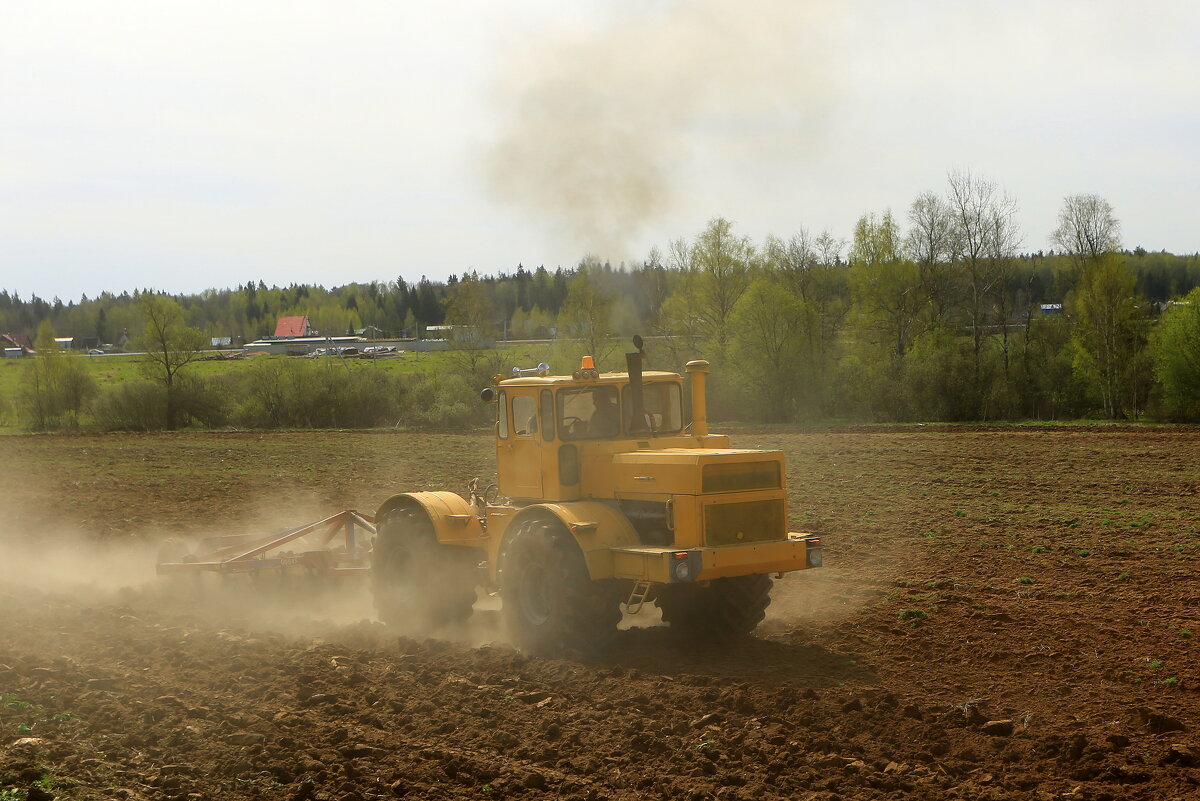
330	547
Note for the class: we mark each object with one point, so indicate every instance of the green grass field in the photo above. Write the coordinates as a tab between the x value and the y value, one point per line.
112	370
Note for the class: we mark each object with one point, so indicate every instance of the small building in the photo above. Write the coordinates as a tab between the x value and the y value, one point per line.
222	342
1051	308
298	346
64	343
20	342
448	332
292	327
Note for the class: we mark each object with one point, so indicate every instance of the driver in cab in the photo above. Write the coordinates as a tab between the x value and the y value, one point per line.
606	418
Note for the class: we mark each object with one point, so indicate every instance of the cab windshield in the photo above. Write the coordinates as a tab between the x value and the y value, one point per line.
663	405
589	413
601	412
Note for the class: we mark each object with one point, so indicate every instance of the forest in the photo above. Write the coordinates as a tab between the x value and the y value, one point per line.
936	316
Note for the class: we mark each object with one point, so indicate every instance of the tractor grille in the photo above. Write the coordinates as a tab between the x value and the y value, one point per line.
740	476
750	521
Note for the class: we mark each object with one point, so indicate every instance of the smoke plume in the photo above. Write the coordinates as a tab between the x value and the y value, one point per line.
600	126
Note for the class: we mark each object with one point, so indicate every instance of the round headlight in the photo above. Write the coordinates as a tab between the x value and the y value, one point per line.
683	571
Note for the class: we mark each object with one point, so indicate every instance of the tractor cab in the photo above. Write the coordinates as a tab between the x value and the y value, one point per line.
547	426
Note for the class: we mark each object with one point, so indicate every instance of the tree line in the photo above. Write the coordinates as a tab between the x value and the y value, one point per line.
935	314
246	313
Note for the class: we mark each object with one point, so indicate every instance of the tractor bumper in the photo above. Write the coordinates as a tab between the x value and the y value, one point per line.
670	566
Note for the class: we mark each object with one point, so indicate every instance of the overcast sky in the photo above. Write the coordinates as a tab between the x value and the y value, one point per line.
185	146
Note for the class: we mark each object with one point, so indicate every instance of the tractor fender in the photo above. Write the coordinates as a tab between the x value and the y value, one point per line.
452	516
596	527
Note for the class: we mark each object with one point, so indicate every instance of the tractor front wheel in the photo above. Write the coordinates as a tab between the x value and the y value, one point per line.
725	609
418	583
551	604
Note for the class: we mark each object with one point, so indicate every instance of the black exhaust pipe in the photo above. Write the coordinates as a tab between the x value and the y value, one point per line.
633	363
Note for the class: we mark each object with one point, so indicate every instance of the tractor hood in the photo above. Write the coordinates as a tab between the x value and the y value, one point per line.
696	471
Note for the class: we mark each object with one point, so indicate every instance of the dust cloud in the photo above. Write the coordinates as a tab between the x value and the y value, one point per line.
598	125
73	565
66	562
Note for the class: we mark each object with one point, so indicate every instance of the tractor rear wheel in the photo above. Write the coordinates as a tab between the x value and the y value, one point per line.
178	586
551	604
725	609
172	550
417	582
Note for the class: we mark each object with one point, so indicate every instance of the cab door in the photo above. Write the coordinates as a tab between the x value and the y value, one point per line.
524	455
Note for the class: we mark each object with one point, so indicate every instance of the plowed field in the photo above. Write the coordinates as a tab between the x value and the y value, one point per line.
1005	614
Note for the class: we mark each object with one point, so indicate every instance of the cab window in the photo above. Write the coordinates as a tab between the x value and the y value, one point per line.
591	413
524	414
663	404
502	415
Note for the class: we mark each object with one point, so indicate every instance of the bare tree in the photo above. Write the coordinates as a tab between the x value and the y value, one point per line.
931	244
829	249
985	239
793	260
679	255
1087	230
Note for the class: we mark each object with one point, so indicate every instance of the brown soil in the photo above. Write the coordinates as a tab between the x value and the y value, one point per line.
1005	614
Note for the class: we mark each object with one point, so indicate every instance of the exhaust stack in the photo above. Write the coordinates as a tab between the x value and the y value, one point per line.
637	407
698	369
633	363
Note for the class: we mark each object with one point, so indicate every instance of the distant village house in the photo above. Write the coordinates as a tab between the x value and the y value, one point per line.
16	345
292	327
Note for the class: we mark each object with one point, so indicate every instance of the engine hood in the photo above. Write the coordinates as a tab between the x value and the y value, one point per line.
696	471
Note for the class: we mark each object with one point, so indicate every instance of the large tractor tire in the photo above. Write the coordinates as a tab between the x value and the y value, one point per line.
728	608
418	583
550	603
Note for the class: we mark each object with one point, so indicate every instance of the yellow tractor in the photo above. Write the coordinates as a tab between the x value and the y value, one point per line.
605	500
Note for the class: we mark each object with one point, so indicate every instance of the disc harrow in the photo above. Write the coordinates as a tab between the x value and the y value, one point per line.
335	546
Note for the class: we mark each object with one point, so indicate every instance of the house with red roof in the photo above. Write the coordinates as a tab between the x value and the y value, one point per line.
16	344
287	327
